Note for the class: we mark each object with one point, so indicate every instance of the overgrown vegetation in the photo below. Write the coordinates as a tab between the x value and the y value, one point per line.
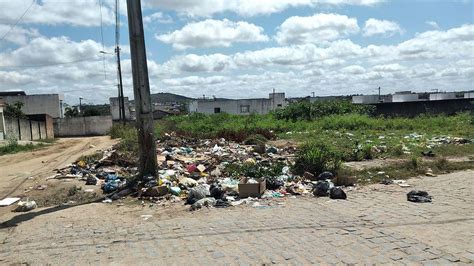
127	135
309	111
13	147
333	131
14	110
316	157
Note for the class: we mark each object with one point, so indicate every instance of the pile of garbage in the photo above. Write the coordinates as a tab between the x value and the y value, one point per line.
202	173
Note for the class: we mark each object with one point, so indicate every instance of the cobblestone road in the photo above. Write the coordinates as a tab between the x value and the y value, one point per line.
376	225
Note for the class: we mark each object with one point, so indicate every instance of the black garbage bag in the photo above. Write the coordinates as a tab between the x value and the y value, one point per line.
216	191
91	181
337	193
321	189
274	183
325	176
419	196
222	204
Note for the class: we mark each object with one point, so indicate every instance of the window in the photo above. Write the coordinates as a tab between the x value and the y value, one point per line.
217	110
245	109
279	105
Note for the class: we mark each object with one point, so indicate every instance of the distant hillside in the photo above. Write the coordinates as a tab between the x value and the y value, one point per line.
164	97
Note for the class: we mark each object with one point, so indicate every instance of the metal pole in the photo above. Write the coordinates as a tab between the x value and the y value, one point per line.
141	89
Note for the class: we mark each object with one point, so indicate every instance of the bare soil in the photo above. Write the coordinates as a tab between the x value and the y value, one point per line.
22	173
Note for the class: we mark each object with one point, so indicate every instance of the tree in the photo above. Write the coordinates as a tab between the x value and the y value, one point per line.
14	110
91	112
71	112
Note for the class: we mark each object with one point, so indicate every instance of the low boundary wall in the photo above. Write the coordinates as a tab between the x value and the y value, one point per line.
82	126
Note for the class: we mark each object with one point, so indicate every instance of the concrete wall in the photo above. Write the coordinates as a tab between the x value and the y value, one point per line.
51	104
115	108
26	129
405	98
82	126
241	107
365	99
412	109
442	96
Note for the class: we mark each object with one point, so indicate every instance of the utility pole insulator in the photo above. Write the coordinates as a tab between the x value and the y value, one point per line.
141	89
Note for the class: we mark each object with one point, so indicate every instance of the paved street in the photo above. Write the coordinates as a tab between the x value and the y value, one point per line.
376	225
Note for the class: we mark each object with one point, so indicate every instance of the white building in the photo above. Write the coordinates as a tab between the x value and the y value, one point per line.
115	108
50	104
240	106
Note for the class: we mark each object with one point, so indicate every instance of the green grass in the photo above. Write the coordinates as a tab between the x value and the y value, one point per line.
352	135
13	147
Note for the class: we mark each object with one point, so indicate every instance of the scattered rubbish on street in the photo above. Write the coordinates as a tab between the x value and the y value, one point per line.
204	173
25	206
8	201
419	196
337	193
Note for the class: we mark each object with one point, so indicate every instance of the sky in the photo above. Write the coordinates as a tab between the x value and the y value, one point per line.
240	48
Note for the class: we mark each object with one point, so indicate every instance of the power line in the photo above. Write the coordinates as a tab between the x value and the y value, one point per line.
102	36
51	64
17	21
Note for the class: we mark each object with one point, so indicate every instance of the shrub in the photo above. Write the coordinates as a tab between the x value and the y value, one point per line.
128	136
415	162
310	111
316	157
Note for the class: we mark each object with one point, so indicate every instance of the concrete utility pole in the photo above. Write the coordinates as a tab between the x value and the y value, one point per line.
80	104
141	89
119	67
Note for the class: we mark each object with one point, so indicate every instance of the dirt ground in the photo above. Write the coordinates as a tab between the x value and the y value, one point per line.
22	171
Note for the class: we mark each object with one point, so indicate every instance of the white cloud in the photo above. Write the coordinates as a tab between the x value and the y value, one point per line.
381	27
17	35
319	28
43	50
195	80
213	33
433	24
159	17
453	43
52	12
354	69
206	8
196	63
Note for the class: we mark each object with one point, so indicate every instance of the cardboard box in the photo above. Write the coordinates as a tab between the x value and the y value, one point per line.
252	190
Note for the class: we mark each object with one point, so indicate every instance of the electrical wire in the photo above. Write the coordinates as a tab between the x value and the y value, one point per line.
17	21
102	36
47	65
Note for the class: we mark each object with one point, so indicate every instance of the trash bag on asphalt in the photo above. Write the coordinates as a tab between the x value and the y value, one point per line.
25	206
321	189
216	191
198	192
337	193
274	183
419	196
325	176
205	202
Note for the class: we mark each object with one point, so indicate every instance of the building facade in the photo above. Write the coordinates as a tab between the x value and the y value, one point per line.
115	108
240	106
50	104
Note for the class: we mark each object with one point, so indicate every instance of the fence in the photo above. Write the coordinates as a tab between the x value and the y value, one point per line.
82	126
28	129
